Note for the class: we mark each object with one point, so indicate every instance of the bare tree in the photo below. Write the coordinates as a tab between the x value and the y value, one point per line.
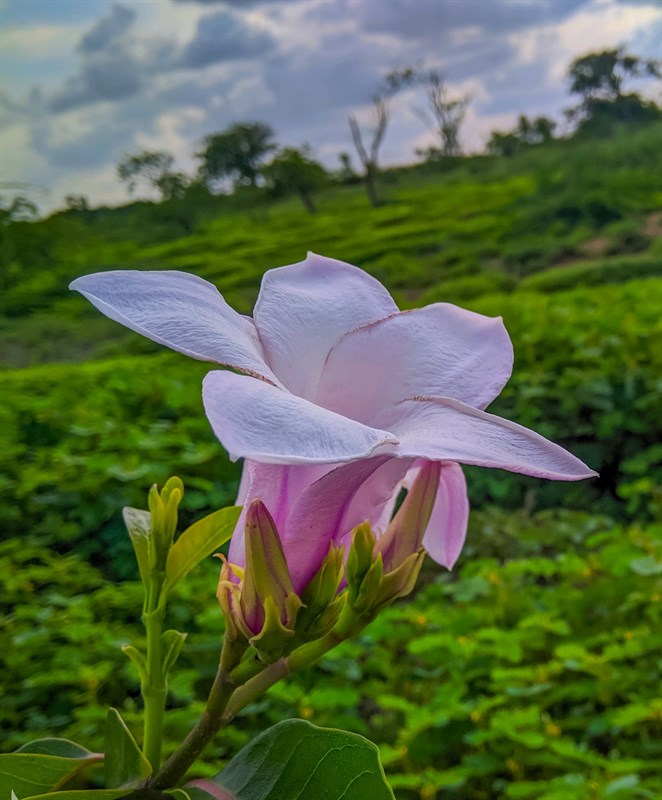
369	156
445	114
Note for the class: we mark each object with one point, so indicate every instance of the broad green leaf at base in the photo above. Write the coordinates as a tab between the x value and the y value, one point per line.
41	766
81	794
124	763
295	760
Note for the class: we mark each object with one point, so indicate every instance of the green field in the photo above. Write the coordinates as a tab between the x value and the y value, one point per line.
531	670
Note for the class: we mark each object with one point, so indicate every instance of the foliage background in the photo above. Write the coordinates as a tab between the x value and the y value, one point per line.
529	672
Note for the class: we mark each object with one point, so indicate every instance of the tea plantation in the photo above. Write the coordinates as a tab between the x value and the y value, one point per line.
531	671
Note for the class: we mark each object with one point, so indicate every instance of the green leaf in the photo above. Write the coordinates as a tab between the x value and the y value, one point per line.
199	541
624	784
124	764
646	566
297	760
139	524
81	794
55	747
138	659
42	766
173	642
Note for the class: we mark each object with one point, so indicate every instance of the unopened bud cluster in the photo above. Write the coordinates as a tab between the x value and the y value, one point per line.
262	607
163	507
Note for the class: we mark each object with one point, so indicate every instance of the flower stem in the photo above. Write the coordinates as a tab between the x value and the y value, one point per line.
349	624
208	725
229	695
154	687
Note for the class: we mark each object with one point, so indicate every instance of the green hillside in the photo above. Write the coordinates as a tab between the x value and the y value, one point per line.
531	670
442	233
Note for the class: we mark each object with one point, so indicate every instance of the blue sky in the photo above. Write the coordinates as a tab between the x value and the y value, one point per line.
85	81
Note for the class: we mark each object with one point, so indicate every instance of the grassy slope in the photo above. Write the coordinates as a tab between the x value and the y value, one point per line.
438	236
529	672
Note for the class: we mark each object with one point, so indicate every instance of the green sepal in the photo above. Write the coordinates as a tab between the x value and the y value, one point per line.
228	594
138	659
323	586
324	622
173	641
271	641
124	763
399	582
321	603
360	558
369	586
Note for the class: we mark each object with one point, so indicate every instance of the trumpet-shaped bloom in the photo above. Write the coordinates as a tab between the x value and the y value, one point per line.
337	397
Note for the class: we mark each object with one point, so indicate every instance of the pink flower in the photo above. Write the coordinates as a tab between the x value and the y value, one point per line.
340	397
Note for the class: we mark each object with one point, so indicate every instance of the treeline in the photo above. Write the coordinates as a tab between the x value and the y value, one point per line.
246	155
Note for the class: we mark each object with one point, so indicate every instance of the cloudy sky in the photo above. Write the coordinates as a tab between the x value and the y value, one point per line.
86	81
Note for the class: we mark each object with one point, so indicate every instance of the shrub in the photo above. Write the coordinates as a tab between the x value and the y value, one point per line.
595	273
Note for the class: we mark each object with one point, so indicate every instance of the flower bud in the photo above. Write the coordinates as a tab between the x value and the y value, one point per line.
360	558
404	535
263	606
380	571
321	603
163	508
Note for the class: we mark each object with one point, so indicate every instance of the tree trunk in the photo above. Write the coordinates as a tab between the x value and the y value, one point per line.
370	175
307	200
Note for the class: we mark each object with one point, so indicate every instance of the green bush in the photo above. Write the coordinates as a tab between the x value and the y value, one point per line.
80	442
587	373
529	672
626	237
458	290
595	273
524	213
527	256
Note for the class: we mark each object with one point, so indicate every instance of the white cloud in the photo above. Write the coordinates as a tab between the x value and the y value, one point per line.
602	24
153	74
29	42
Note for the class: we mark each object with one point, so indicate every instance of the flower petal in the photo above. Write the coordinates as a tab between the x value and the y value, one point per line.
437	350
277	486
181	311
256	420
443	429
328	509
447	528
303	310
377	495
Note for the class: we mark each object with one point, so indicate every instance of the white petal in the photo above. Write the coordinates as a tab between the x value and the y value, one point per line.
303	310
278	487
443	429
377	494
244	483
437	350
447	528
256	420
181	311
328	509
